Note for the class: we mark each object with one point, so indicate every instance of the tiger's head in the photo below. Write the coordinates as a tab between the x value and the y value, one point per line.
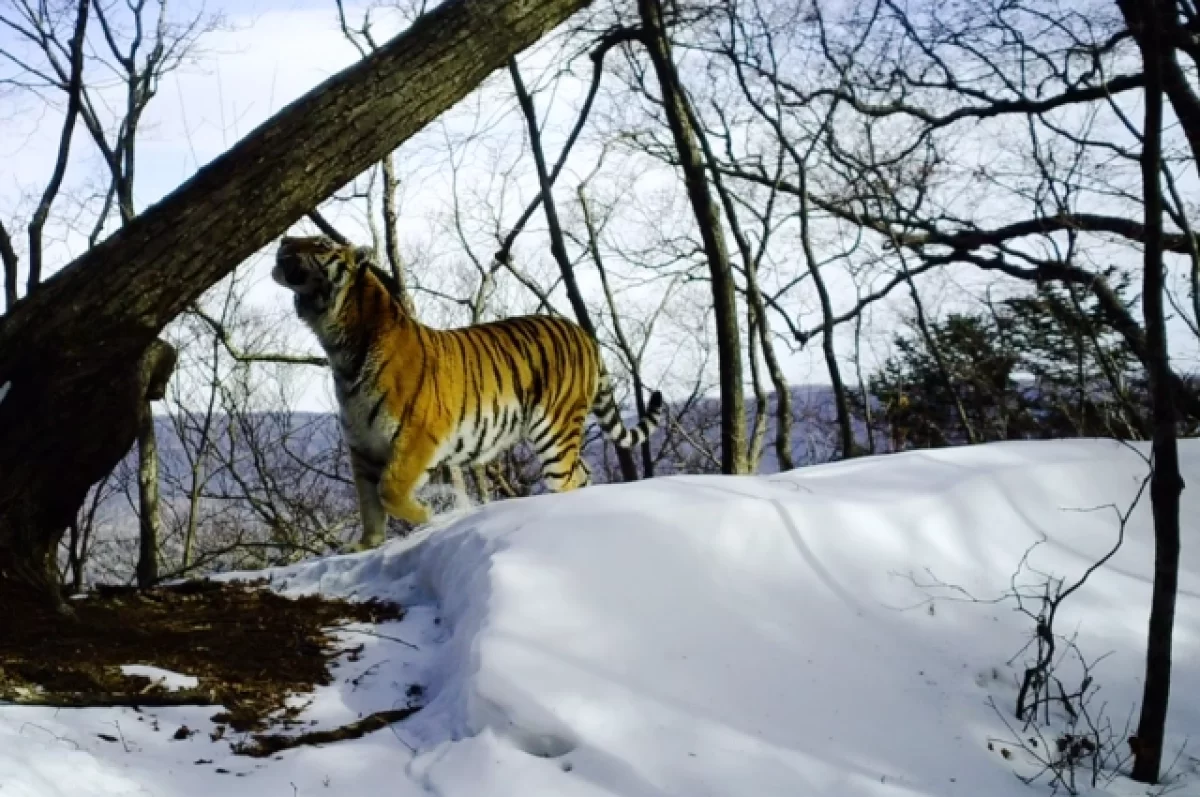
317	269
315	264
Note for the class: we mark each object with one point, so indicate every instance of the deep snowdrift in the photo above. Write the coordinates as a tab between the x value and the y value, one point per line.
701	636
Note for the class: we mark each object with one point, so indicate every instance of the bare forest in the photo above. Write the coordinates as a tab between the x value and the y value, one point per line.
823	230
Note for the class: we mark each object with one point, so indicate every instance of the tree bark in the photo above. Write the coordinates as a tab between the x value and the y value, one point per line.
71	352
149	521
841	397
868	412
758	327
8	257
157	367
391	244
1166	484
729	352
1159	19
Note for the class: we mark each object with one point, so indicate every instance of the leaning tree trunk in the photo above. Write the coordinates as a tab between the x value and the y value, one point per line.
70	353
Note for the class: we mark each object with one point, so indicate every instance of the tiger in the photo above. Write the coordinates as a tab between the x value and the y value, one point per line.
412	398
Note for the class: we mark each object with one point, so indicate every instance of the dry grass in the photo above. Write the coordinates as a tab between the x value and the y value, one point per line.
249	647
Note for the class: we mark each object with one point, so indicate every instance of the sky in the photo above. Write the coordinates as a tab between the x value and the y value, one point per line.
265	54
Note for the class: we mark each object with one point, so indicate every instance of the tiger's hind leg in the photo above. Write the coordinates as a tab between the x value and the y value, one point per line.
582	476
479	473
370	508
563	468
407	470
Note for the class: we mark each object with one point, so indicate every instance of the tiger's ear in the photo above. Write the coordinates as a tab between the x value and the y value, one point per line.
365	256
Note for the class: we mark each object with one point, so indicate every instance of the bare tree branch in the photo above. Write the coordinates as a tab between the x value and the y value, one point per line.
610	40
74	89
237	354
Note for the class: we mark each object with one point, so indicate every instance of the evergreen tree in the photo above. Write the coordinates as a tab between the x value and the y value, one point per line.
1045	365
1085	381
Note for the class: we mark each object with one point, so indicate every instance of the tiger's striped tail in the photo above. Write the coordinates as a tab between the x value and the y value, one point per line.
609	415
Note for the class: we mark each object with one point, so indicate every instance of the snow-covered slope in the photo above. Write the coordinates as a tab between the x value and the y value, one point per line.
700	636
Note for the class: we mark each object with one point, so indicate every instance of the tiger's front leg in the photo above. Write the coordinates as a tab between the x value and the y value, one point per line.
405	473
370	508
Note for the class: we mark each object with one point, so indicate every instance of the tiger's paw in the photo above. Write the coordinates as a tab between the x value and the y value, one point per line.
403	508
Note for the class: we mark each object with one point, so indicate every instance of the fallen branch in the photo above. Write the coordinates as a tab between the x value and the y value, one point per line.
183	697
376	634
267	744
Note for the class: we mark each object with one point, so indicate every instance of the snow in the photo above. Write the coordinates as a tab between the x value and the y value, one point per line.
171	681
693	636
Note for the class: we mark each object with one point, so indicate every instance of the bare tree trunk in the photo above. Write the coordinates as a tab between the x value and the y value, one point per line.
71	352
391	245
149	519
121	171
149	509
841	397
1166	484
868	411
8	257
1163	16
193	518
758	428
75	557
558	246
157	368
729	352
783	397
758	324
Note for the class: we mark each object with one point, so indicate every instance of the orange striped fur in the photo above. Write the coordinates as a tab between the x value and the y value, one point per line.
412	398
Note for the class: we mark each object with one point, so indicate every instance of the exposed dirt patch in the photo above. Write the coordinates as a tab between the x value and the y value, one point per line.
249	647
